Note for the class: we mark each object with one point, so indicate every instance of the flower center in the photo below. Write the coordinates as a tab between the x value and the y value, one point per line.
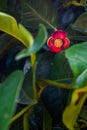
58	43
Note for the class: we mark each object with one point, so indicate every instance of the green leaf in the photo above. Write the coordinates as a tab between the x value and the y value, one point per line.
72	111
60	68
9	91
27	92
78	59
44	65
25	98
9	25
81	80
34	13
81	23
38	43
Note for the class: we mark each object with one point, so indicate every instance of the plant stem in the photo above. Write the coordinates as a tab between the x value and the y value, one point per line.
20	113
26	119
33	63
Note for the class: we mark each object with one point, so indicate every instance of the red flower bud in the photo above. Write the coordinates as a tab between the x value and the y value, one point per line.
58	41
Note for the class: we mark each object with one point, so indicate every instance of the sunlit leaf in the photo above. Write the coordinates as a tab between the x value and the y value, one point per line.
78	59
9	25
9	91
72	111
81	24
38	43
34	13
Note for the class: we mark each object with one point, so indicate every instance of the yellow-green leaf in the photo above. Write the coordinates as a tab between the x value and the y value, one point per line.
72	111
9	25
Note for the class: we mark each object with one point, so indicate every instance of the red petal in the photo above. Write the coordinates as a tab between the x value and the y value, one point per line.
59	34
66	43
50	41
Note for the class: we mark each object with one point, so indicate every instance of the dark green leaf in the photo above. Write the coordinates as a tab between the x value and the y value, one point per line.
3	5
14	9
25	98
9	91
38	43
34	13
83	113
77	57
27	92
81	23
60	68
7	43
78	38
44	65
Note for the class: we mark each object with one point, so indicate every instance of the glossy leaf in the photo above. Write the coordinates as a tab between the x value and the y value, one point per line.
81	24
9	25
72	111
34	13
81	80
78	59
9	91
38	43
